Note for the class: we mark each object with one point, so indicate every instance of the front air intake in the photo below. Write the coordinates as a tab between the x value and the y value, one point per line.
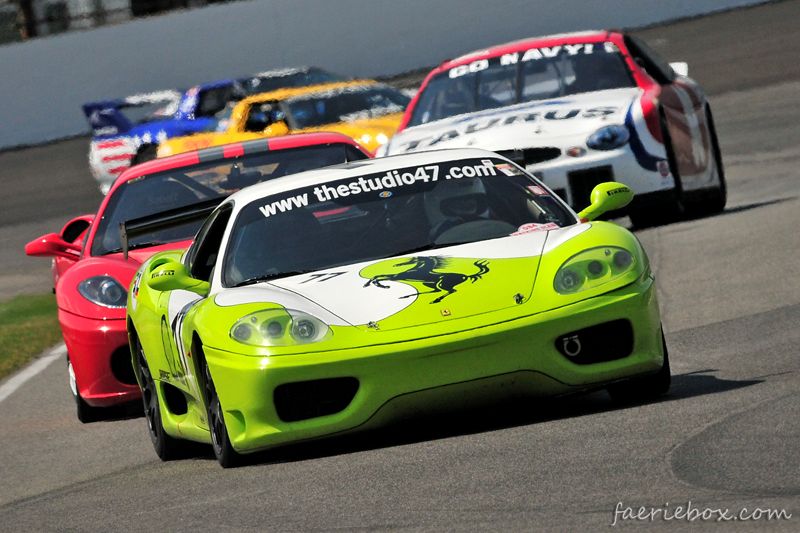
309	399
604	342
121	366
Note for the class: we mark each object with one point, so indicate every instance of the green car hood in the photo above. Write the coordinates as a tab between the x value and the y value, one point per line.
405	291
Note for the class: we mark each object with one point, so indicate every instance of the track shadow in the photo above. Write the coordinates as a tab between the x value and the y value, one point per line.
125	411
498	416
694	215
701	382
741	208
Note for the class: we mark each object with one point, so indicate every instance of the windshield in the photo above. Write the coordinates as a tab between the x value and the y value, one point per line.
184	187
344	105
271	81
382	215
526	76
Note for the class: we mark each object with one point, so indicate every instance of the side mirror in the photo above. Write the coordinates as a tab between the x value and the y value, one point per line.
74	230
607	197
172	275
53	245
681	68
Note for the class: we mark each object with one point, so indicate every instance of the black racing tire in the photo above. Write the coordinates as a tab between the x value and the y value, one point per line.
717	198
86	413
166	447
220	440
644	388
675	208
147	152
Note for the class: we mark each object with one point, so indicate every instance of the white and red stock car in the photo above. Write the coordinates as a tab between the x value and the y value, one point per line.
577	110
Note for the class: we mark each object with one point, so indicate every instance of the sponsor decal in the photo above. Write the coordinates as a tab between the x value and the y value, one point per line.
137	279
163	273
508	169
283	205
538	191
530	227
435	273
618	190
390	180
528	114
533	54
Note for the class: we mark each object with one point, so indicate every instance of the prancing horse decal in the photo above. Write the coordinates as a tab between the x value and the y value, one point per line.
428	271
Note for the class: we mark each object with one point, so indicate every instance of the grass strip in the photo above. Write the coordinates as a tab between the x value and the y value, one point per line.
28	326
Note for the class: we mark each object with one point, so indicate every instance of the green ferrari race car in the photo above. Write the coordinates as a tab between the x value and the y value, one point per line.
342	298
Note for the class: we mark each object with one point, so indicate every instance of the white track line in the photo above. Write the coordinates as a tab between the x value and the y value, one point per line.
17	380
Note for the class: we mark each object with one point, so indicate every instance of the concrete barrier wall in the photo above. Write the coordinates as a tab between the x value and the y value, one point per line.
43	82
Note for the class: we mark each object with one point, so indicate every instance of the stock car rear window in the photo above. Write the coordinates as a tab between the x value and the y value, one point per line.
524	76
290	78
174	189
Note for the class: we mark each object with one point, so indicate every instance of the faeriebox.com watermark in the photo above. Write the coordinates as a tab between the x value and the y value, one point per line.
693	513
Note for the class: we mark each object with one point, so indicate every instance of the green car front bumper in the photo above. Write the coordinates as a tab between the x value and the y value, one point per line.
372	385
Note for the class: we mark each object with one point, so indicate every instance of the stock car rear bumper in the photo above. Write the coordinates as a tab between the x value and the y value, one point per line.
573	178
101	359
269	401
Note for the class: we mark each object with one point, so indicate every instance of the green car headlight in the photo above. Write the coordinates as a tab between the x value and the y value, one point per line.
279	327
594	267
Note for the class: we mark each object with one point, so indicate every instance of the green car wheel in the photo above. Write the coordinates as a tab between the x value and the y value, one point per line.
166	447
220	441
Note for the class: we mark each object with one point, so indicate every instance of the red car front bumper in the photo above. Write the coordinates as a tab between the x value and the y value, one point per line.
98	350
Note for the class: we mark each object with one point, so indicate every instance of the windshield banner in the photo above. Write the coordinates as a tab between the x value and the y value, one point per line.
383	184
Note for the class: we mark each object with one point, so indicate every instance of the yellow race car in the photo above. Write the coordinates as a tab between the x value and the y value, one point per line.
365	110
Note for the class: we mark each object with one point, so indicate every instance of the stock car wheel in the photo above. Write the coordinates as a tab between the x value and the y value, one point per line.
673	208
644	388
166	447
220	441
86	413
716	199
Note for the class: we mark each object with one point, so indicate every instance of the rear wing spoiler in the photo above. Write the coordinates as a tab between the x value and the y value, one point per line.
106	117
166	219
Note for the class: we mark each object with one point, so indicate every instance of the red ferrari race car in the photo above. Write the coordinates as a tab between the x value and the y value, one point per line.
91	279
577	110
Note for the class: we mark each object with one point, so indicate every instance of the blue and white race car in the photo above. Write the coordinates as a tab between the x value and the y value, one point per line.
128	130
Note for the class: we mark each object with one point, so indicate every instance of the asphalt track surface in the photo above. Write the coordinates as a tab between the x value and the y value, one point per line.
725	437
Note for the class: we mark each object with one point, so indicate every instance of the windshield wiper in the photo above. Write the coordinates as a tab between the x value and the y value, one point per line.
268	277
